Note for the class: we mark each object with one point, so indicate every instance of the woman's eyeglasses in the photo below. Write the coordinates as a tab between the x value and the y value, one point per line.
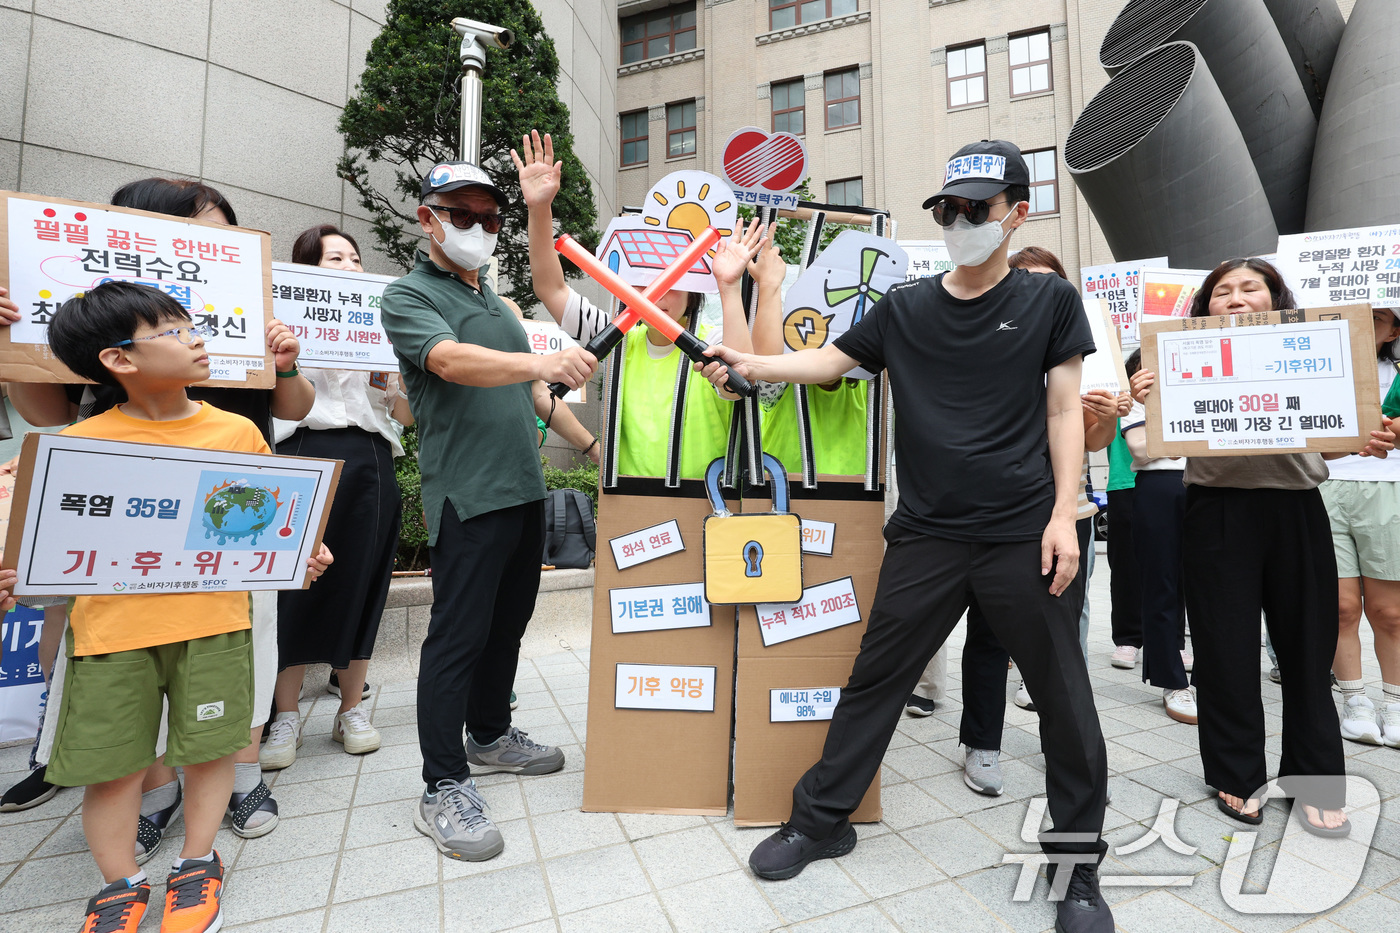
947	210
185	334
464	219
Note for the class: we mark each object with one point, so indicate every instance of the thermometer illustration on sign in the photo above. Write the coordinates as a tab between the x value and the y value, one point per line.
286	530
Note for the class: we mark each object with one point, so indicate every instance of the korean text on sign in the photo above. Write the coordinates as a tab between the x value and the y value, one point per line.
1330	267
812	705
665	687
1118	283
646	544
822	607
655	608
335	315
818	537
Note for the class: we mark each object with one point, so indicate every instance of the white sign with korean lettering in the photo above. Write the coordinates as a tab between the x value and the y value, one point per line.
103	517
335	315
665	687
1264	387
548	337
814	705
657	608
927	258
818	537
1330	267
646	544
1118	283
822	607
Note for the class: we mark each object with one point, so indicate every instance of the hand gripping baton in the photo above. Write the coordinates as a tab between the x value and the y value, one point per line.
641	305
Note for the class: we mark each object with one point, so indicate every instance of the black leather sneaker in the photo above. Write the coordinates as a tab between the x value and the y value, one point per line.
1083	909
785	853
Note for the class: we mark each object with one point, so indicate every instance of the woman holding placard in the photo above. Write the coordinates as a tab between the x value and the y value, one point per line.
1363	501
359	418
1256	538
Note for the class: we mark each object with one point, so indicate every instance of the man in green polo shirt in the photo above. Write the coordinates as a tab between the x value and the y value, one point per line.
469	373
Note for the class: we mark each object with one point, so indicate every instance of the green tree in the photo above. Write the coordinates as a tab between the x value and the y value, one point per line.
406	116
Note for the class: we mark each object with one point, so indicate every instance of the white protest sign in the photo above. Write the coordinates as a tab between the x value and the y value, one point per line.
56	248
21	676
1168	292
822	607
927	258
1102	369
802	705
103	517
548	337
835	292
1342	266
646	544
1118	283
818	537
657	608
665	686
335	315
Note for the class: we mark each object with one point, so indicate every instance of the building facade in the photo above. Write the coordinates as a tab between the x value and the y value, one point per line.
882	92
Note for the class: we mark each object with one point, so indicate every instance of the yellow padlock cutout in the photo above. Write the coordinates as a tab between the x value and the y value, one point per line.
752	558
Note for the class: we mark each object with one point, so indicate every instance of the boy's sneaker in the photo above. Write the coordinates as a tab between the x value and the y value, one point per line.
192	897
283	740
1023	697
1181	705
1124	657
513	753
453	818
1359	722
354	730
333	688
30	792
117	908
982	770
919	706
1390	725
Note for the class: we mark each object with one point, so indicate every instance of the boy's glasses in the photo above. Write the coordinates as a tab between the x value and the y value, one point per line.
947	210
185	334
464	219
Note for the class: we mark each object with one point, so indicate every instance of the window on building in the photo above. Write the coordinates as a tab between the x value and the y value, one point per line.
789	107
680	129
660	32
634	138
847	192
842	98
967	76
1045	186
785	13
1030	63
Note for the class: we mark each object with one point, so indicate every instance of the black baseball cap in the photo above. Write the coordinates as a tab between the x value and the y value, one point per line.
979	171
451	176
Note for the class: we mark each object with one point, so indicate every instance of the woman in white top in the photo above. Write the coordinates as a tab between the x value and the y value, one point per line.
1362	496
359	418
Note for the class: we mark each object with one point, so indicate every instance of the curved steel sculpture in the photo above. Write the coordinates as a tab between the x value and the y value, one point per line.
1165	169
1240	43
1356	168
1311	30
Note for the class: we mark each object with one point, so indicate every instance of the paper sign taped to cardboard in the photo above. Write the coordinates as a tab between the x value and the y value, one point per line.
548	337
812	705
1168	293
1102	369
1272	382
1119	284
646	544
822	607
335	315
658	608
665	687
96	517
1339	267
818	537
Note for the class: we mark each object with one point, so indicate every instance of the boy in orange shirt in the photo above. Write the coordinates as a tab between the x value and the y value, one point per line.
130	652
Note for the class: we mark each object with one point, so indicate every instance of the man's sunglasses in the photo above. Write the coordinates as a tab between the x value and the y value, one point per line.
946	210
464	219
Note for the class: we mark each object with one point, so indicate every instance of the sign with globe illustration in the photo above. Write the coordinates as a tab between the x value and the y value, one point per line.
250	511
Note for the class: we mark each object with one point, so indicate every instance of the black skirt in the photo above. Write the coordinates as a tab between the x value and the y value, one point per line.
335	621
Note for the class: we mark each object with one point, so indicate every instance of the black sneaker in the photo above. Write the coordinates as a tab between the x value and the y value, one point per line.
785	853
918	706
30	792
1083	909
334	687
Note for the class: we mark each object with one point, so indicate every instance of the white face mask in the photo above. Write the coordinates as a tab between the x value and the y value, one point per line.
972	244
469	249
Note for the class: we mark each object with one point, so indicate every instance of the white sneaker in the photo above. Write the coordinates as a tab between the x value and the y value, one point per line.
1390	721
1181	705
1023	697
1124	656
1359	722
354	730
283	740
1188	660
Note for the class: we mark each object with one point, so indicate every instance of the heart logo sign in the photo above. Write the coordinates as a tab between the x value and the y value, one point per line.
763	168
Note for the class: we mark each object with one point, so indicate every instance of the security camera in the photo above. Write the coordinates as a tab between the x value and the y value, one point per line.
497	36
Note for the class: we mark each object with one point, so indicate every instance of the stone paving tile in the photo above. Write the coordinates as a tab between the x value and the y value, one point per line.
732	903
686	856
821	888
635	915
942	906
415	911
865	919
600	876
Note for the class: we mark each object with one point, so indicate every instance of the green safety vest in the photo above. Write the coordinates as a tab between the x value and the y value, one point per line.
1390	405
838	429
648	388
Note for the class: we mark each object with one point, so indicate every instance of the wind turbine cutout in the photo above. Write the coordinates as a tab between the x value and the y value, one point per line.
865	295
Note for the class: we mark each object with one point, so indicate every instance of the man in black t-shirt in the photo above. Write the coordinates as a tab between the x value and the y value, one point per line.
984	366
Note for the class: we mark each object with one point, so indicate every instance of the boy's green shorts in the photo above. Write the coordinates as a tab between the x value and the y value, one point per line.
109	717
